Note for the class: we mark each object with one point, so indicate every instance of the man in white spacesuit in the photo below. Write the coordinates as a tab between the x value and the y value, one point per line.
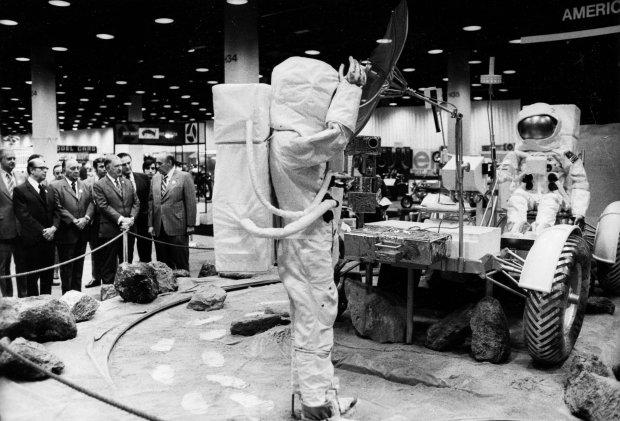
545	172
313	113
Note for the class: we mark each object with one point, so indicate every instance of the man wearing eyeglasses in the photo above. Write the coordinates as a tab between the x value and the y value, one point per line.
33	203
8	225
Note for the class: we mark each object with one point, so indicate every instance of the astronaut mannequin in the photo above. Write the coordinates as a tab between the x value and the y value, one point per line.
544	171
313	114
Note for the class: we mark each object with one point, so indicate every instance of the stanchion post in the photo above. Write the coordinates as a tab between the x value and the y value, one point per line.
125	246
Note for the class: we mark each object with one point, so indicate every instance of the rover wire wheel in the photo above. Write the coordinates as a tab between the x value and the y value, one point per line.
609	275
552	321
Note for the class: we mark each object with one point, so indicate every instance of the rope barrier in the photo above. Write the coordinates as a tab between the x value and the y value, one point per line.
79	388
169	244
17	275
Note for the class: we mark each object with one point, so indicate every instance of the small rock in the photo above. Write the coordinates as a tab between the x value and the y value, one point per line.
376	315
282	308
83	306
207	298
252	325
451	331
600	305
108	291
181	273
490	335
40	319
235	275
164	276
207	269
134	283
593	397
11	367
590	363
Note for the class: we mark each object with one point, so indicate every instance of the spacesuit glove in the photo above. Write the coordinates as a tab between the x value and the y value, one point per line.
356	74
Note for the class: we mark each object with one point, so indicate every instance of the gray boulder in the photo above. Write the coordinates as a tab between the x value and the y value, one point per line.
207	298
282	308
378	316
181	273
108	291
207	269
590	363
40	319
135	283
83	306
590	396
11	367
451	331
490	335
164	276
600	305
258	323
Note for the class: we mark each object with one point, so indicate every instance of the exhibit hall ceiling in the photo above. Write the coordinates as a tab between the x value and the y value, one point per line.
172	52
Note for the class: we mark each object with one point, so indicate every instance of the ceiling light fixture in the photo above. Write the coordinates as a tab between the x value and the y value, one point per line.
84	99
105	36
59	3
80	109
237	2
503	90
164	21
408	69
509	72
8	22
158	76
445	79
212	82
6	88
477	98
121	82
22	59
195	103
191	50
474	61
472	28
89	88
127	103
435	51
312	52
406	97
173	87
384	41
392	104
61	103
60	49
515	41
28	82
140	92
202	69
185	96
110	96
476	85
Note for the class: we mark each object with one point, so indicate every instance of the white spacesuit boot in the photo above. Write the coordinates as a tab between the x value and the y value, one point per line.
517	212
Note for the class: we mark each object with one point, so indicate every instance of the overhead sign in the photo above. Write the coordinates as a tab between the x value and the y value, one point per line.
149	134
191	133
75	149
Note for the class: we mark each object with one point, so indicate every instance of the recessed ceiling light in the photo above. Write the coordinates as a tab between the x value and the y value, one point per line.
392	104
22	59
435	51
61	102
202	109
174	87
121	82
406	97
89	88
191	50
140	92
236	2
195	103
61	117
127	103
28	82
80	109
185	96
170	121
509	72
158	76
477	98
208	113
202	69
112	118
503	90
61	49
8	22
167	106
164	21
184	116
14	99
476	85
474	62
105	36
21	108
60	92
445	79
84	99
384	41
110	96
212	82
472	28
177	112
61	111
312	52
103	106
6	88
97	113
408	69
59	3
154	100
515	41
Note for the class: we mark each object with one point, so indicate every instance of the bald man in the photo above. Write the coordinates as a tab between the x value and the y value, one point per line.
75	209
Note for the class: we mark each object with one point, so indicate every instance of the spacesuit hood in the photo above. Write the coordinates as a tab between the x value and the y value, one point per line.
302	90
551	142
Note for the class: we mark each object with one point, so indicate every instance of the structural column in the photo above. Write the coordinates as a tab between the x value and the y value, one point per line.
459	94
241	43
45	132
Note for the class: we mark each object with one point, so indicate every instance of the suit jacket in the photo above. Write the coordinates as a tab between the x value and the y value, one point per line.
33	213
112	206
68	207
8	224
176	210
143	185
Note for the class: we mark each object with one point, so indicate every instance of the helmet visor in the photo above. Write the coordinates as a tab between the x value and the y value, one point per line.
537	127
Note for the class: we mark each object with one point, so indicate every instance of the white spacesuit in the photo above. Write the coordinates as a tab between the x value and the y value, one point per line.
313	114
545	172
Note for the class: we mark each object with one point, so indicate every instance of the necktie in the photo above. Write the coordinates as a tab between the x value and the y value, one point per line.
10	184
42	192
73	187
118	186
164	184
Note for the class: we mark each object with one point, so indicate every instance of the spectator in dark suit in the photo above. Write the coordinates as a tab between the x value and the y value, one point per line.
75	209
8	223
93	241
148	167
141	185
37	224
118	205
172	212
